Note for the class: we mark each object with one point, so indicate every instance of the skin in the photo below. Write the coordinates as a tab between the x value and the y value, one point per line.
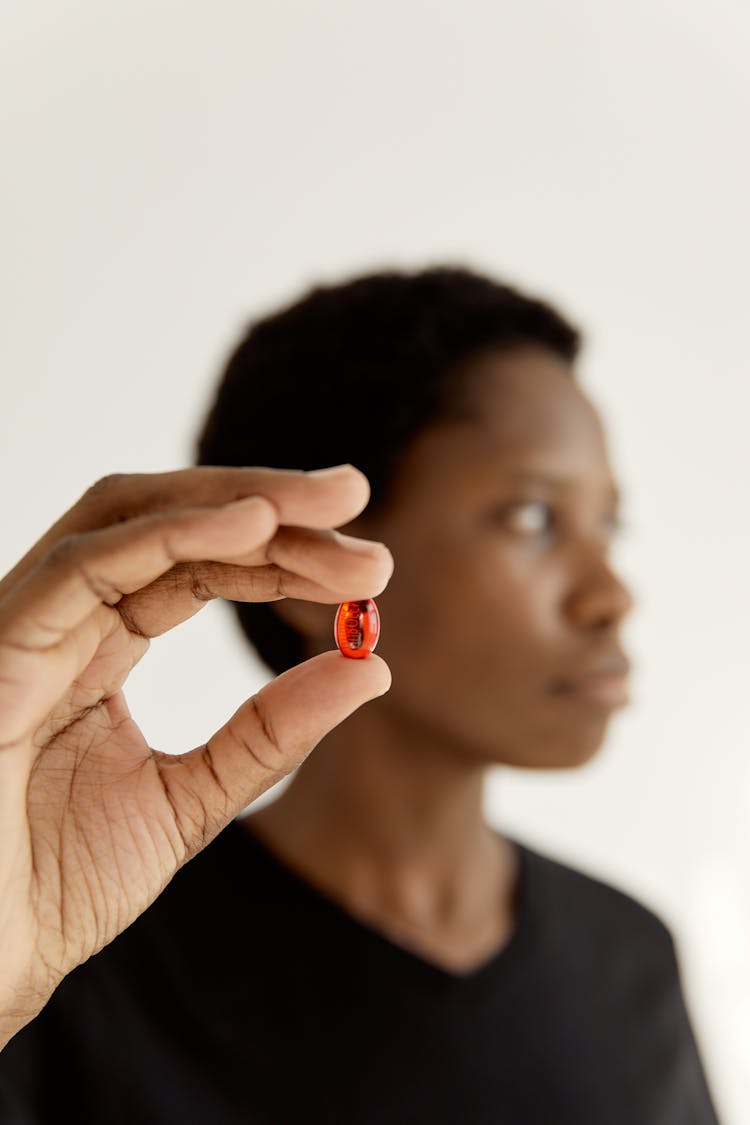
94	822
501	587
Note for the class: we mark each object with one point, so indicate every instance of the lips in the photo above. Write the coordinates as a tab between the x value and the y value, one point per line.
604	683
616	666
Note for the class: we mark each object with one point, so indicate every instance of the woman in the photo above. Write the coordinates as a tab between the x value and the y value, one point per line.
366	948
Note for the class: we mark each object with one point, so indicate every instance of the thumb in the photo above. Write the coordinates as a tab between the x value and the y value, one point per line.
265	739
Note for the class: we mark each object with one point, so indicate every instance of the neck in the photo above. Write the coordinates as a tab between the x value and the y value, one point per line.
391	821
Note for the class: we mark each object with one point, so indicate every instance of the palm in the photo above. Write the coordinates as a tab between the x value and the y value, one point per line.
104	830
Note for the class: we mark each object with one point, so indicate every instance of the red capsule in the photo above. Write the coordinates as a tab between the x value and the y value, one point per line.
357	628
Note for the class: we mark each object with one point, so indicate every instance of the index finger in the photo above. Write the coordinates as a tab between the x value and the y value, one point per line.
322	499
49	629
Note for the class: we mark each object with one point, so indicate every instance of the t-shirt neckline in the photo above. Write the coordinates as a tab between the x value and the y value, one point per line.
498	961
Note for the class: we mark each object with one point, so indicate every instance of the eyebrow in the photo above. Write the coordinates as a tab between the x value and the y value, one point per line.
557	483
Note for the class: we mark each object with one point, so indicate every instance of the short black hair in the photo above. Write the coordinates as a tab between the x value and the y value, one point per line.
352	373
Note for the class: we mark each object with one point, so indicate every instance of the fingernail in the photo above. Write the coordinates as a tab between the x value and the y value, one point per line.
332	472
247	502
368	547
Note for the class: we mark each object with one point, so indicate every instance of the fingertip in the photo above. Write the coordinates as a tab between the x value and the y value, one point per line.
363	484
373	668
389	564
371	674
380	574
353	479
384	678
362	481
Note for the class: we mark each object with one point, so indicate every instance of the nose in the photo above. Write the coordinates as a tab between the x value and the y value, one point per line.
599	598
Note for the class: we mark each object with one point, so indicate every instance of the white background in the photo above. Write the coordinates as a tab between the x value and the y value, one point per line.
170	169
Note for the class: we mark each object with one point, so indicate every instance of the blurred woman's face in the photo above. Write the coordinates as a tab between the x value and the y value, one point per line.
503	591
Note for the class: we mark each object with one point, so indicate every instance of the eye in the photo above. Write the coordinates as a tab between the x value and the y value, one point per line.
537	517
532	516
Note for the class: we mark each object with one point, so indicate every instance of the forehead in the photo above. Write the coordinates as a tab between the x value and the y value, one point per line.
516	412
527	399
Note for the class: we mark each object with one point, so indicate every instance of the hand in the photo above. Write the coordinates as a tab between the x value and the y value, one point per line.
93	821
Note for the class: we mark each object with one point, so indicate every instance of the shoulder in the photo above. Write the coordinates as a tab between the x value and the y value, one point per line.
572	905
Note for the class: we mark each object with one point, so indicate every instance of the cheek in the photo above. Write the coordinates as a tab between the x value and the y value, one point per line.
485	693
471	656
475	636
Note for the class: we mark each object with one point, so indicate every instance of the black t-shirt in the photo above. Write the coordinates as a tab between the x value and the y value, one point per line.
246	995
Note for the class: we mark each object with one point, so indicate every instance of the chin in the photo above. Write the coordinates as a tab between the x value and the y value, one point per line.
553	753
574	759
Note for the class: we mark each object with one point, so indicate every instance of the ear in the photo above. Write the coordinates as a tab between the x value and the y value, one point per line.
312	620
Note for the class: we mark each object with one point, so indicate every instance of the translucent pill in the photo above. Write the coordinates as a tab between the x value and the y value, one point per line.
357	628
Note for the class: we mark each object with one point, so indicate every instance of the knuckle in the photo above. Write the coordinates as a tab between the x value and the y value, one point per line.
199	586
272	751
105	486
65	552
130	618
278	583
70	554
260	742
109	501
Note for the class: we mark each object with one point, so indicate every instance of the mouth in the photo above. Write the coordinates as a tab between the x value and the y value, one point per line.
604	687
603	690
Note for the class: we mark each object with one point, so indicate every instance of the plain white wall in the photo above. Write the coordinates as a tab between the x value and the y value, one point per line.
171	169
